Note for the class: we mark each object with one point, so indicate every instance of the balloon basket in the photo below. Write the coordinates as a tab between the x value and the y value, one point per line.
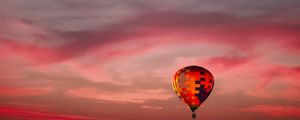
193	115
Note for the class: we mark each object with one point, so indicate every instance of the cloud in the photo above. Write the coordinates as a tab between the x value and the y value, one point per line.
164	26
26	113
151	107
229	61
274	110
131	96
279	82
19	91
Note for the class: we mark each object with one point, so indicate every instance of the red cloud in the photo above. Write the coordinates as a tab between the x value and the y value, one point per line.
274	110
213	27
129	96
29	52
227	62
24	91
278	72
30	114
279	82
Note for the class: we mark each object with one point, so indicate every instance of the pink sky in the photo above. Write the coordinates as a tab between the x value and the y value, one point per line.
115	59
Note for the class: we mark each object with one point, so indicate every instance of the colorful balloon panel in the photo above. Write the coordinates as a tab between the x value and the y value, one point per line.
193	84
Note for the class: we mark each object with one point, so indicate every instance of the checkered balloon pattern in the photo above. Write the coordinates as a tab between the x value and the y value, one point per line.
193	84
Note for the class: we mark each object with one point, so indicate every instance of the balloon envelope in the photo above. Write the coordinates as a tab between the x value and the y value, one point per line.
193	84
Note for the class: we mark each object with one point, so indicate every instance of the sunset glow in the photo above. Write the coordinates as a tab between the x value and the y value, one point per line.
115	59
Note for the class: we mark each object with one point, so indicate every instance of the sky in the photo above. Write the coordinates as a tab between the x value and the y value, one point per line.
115	59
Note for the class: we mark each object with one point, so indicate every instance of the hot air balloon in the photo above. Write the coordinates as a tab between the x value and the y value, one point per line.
193	84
